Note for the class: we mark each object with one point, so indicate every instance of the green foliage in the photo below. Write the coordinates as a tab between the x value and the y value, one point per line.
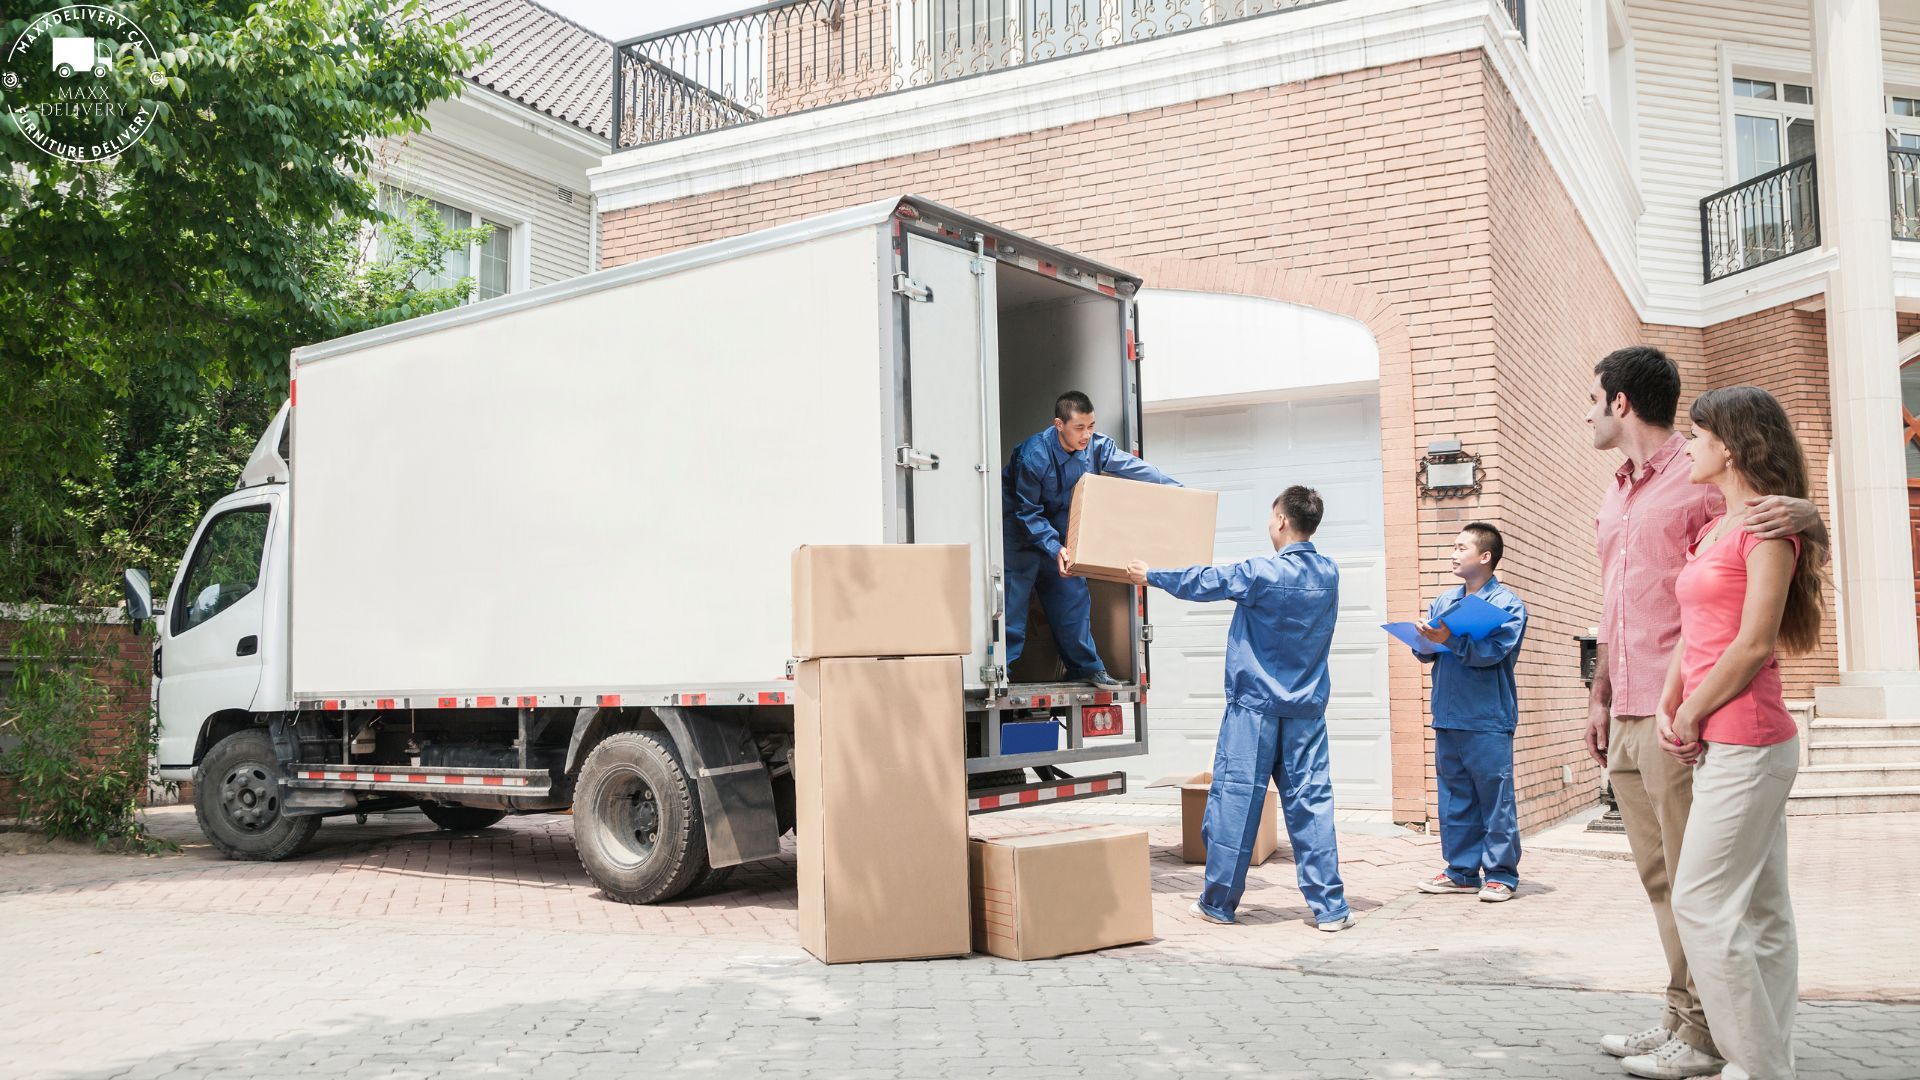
75	782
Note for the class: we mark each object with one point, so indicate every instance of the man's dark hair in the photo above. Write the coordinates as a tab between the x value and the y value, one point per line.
1071	404
1303	508
1487	538
1650	381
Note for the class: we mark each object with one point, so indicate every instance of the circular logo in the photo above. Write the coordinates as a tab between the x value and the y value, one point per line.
58	80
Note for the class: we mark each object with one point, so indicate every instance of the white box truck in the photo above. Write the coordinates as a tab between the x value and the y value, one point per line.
533	553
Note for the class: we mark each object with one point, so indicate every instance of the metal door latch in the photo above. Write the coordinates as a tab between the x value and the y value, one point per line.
912	290
992	674
918	460
1146	632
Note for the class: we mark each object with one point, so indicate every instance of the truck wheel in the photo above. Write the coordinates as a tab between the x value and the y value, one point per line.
636	819
461	818
236	799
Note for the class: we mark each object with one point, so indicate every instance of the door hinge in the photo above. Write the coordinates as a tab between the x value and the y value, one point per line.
908	457
1146	632
911	289
1139	350
978	266
992	674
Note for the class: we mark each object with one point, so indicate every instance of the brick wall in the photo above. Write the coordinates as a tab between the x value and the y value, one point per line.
126	669
1376	186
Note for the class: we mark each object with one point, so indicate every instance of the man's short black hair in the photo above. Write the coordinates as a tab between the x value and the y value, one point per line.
1488	539
1071	404
1650	381
1303	509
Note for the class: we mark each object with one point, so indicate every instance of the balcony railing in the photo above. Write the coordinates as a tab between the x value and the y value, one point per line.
1754	222
797	55
1903	183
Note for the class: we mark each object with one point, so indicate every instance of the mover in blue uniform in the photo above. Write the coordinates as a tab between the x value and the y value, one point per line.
1276	724
1475	711
1036	495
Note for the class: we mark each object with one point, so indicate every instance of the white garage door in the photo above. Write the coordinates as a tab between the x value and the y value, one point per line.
1249	453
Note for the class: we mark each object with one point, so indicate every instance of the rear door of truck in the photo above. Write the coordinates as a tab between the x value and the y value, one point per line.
952	424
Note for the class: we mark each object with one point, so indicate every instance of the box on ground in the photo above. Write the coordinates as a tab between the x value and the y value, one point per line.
882	600
1193	810
1062	892
880	791
1115	521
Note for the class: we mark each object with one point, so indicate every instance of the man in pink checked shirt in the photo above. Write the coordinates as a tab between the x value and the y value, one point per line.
1651	513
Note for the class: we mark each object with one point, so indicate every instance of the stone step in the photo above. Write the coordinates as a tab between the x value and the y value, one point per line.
1809	801
1831	730
1860	776
1882	752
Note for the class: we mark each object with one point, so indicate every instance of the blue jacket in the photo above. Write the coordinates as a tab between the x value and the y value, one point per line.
1473	687
1036	491
1282	629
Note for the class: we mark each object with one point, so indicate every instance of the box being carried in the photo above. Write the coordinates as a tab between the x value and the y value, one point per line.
1193	810
881	600
1115	521
1060	892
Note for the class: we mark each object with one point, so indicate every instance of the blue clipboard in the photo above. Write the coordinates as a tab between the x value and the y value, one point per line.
1407	632
1472	617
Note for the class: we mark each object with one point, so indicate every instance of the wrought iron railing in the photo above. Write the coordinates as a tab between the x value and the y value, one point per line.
1754	222
797	55
1903	184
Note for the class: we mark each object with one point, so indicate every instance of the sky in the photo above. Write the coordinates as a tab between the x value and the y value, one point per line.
618	19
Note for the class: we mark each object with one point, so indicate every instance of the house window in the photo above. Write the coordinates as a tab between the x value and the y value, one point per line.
1772	124
489	262
1610	68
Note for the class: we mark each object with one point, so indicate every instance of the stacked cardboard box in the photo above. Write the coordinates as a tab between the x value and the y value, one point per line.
879	750
1069	891
1113	522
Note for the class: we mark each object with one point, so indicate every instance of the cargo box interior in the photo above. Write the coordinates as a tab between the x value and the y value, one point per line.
1056	337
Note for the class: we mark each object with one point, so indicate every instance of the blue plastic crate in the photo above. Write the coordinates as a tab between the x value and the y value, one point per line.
1029	737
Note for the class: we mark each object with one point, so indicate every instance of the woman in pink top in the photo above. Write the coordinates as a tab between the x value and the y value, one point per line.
1722	711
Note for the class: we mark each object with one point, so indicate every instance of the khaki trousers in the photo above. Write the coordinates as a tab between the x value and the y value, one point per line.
1655	793
1731	906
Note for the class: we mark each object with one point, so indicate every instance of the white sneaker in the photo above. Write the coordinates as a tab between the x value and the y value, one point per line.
1334	926
1196	909
1640	1042
1674	1060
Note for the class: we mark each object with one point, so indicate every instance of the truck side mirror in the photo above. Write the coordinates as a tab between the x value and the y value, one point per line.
139	595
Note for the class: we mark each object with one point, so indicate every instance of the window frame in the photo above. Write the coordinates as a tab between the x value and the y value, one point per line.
1777	109
178	610
517	221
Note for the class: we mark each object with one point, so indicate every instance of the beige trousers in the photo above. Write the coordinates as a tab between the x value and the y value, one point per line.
1655	793
1731	906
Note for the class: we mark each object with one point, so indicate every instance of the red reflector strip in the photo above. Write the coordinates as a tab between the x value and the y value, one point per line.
384	703
1108	289
293	392
689	699
1041	700
1130	345
987	802
772	697
330	704
1049	269
485	702
449	703
1103	697
527	701
608	701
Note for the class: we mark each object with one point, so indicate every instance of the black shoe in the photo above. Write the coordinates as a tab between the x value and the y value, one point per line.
1104	681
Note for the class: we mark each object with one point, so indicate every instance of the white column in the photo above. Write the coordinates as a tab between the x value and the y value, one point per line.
1873	563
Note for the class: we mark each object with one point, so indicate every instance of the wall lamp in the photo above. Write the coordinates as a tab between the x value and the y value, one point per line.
1448	471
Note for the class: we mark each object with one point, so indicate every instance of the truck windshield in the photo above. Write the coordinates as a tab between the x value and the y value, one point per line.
224	568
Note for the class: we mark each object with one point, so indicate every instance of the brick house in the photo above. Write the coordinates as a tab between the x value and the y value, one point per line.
1371	226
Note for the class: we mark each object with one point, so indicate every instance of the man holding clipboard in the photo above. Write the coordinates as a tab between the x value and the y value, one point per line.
1472	637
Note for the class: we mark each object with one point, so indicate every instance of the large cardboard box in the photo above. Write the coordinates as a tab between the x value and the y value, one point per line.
1193	810
1061	892
1114	521
882	600
880	786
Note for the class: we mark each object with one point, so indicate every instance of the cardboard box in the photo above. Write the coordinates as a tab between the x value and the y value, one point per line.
1193	810
882	600
880	790
1062	892
1115	521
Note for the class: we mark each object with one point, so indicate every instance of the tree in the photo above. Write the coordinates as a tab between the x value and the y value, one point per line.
186	268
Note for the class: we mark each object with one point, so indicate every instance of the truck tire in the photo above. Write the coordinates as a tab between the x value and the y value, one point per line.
636	819
236	799
461	818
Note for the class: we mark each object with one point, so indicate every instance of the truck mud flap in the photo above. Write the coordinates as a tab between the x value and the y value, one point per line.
736	791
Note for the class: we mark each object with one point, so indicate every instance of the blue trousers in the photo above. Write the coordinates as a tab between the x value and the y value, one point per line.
1068	604
1293	751
1479	825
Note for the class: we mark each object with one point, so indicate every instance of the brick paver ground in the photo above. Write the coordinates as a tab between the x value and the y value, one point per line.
393	949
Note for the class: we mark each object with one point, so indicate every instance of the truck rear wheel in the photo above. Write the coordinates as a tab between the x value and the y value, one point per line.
237	801
636	820
461	818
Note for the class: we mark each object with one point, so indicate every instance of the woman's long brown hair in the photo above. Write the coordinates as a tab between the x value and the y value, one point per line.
1765	450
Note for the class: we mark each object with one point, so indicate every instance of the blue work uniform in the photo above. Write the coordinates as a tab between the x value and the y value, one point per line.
1475	710
1275	724
1036	492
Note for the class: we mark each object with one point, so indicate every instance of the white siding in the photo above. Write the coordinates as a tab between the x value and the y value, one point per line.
561	233
1682	146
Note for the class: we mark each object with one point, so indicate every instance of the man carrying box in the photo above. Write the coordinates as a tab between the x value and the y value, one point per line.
1275	725
1475	711
1036	497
